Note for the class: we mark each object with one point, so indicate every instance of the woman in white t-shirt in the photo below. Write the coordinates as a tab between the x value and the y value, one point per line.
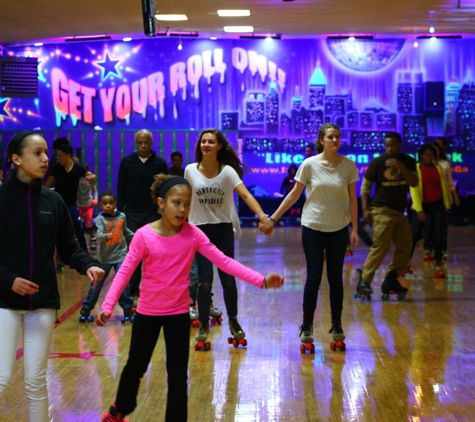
214	178
330	180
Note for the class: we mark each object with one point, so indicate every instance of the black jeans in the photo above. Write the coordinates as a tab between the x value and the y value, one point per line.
434	227
145	332
134	222
316	246
222	236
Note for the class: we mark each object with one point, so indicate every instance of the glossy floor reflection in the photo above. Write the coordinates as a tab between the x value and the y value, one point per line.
411	360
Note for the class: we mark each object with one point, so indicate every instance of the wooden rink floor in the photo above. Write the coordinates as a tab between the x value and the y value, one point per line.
405	361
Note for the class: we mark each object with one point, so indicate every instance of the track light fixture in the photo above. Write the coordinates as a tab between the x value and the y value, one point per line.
431	27
180	45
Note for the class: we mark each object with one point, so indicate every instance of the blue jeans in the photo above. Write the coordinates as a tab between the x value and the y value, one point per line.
125	301
434	227
317	245
222	236
78	229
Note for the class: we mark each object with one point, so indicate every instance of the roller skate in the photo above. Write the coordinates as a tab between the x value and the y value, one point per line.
215	315
201	336
337	344
363	290
391	286
428	255
93	245
306	332
85	315
439	269
194	316
128	316
349	251
113	416
237	332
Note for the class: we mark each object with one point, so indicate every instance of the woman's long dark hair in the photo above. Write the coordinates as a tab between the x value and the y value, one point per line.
226	154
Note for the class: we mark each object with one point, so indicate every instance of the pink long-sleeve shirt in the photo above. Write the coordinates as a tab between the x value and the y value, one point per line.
166	269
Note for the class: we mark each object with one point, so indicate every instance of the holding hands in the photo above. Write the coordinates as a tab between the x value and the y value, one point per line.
268	226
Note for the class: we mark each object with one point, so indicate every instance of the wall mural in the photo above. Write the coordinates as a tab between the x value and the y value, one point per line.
274	94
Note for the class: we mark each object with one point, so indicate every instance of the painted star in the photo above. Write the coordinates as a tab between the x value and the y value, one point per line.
108	66
3	107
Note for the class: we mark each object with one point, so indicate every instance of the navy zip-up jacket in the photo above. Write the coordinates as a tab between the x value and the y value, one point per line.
134	183
33	221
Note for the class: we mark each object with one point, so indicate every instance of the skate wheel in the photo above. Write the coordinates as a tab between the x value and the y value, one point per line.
235	344
207	345
230	340
332	346
312	348
219	320
90	318
355	295
243	342
401	296
213	321
302	348
385	296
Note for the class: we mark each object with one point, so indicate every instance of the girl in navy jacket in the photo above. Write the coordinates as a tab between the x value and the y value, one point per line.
34	221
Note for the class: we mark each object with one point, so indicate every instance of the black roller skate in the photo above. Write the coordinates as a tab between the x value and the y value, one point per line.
237	332
391	286
85	315
337	344
306	337
363	290
128	316
201	337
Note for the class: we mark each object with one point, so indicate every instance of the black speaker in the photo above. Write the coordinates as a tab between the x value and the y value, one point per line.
434	96
148	11
18	77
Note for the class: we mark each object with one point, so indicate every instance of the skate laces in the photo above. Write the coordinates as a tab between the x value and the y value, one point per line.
336	327
305	328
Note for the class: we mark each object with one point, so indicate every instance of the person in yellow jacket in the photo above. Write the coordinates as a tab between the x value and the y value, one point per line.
430	200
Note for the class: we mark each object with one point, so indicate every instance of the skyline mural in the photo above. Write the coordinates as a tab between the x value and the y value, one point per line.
274	94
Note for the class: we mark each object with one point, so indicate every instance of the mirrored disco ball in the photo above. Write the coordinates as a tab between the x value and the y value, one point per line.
365	55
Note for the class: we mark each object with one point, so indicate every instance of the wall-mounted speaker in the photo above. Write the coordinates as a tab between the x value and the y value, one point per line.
434	97
18	77
148	12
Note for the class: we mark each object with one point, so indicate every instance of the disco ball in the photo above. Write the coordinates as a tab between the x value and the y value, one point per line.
365	55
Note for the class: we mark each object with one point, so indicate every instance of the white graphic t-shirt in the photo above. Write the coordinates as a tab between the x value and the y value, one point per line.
327	208
212	200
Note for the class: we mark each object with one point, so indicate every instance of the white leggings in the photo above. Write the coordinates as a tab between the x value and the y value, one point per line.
37	327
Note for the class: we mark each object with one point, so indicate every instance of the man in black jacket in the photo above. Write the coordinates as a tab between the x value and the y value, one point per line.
136	175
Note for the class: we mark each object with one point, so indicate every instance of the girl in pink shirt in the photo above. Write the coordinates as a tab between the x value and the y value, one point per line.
166	248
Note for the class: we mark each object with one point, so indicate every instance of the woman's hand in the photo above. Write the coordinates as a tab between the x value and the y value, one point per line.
95	274
101	318
272	281
24	287
354	239
421	216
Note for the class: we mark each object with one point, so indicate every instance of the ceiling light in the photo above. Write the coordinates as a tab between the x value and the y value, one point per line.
213	38
127	39
160	17
351	39
234	13
238	29
38	44
180	45
416	44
